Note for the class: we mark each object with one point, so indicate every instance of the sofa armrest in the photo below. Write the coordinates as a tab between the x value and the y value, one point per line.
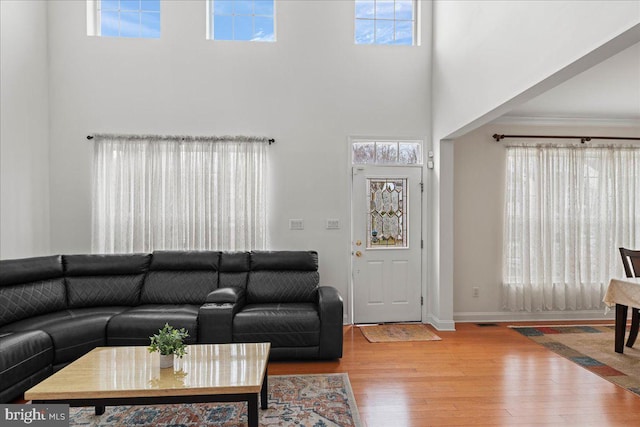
330	309
228	295
215	317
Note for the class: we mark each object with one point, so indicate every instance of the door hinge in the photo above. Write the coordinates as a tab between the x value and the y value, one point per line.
421	244
421	300
422	187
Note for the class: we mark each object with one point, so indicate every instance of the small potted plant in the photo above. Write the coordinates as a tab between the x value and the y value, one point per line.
169	341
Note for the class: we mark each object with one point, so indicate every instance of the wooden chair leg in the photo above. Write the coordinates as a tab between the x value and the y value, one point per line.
621	327
635	325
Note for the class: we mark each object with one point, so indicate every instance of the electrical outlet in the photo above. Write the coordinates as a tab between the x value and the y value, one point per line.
476	292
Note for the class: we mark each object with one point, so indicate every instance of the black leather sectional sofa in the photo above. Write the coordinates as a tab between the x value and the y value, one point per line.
55	309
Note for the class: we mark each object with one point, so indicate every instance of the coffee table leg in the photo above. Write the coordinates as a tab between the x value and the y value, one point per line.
252	410
99	410
621	326
264	390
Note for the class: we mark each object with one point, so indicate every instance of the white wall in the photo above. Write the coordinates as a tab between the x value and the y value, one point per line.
490	56
24	130
310	91
478	220
488	52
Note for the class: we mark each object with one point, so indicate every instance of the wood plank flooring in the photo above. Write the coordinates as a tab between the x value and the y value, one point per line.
475	376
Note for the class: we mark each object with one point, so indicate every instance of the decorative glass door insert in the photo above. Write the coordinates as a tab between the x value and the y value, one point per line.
387	224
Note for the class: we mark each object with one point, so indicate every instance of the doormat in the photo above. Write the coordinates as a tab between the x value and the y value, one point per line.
398	332
590	346
294	400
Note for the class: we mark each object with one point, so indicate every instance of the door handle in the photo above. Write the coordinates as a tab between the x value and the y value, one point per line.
358	254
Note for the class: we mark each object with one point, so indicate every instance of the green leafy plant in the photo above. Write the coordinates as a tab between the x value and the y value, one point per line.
169	340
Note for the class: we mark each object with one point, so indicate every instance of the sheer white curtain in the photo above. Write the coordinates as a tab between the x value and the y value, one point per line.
153	193
567	210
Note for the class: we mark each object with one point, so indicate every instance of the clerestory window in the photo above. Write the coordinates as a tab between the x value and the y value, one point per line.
244	20
391	22
124	18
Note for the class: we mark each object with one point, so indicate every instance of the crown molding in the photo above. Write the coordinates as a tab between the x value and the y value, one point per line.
567	121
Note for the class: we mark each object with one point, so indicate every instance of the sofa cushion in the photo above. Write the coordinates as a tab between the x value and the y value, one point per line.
30	287
234	269
185	260
235	262
284	260
73	332
283	276
180	277
22	355
17	271
31	299
135	326
104	280
282	286
283	325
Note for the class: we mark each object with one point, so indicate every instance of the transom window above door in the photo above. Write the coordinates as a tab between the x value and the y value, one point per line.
365	152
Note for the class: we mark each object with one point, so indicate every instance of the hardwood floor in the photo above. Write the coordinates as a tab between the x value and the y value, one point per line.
474	376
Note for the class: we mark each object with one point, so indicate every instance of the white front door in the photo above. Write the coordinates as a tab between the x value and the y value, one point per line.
386	244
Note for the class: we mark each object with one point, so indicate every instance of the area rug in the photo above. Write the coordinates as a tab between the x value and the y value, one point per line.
591	347
398	332
324	400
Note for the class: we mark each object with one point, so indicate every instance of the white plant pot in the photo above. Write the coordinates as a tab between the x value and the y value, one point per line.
166	361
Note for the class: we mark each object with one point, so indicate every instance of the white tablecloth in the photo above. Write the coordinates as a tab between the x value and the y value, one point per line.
623	291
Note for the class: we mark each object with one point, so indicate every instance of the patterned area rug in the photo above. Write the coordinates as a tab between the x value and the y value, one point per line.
592	348
398	332
324	400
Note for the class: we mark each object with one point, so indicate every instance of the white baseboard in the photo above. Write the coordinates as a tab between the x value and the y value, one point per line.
440	325
448	325
508	316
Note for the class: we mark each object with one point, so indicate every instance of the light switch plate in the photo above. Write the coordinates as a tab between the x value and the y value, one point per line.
333	224
296	224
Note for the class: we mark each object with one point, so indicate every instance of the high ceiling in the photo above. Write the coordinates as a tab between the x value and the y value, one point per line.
607	91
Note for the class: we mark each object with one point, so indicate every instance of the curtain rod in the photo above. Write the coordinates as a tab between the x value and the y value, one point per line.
269	140
582	139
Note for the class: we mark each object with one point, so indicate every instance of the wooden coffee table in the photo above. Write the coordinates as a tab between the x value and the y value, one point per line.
110	376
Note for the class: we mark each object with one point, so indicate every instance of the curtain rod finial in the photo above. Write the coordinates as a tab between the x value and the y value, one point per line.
498	137
89	137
